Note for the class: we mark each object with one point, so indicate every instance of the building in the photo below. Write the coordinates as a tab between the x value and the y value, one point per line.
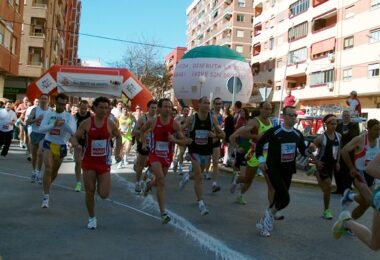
171	60
72	23
321	49
221	22
48	37
11	13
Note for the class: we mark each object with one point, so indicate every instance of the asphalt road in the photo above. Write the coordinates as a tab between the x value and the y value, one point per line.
129	226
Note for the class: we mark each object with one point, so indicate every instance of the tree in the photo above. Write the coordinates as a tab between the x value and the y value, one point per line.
145	61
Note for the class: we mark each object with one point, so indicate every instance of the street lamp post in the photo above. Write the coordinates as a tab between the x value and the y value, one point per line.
202	80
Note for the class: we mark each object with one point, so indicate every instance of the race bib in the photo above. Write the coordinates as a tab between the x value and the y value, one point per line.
288	151
148	140
162	149
5	127
98	148
55	131
201	137
369	156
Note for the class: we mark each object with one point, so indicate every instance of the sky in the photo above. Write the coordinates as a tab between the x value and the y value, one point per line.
163	22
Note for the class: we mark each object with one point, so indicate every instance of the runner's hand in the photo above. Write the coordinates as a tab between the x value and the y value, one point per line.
59	122
189	141
211	134
171	138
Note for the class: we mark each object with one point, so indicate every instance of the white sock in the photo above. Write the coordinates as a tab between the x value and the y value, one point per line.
214	183
201	203
351	195
46	196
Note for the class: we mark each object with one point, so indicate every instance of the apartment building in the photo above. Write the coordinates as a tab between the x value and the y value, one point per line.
221	22
48	37
321	49
171	60
10	34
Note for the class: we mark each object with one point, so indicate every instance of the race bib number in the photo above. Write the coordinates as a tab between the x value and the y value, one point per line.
162	149
288	151
55	131
98	148
201	137
5	127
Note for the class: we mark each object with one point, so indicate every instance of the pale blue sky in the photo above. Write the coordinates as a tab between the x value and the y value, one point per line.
163	21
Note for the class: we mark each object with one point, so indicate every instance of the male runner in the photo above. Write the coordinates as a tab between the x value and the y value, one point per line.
180	150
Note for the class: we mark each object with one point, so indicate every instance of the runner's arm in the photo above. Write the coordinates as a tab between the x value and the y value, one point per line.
70	126
137	129
218	131
46	124
181	139
32	117
80	132
373	167
260	145
144	131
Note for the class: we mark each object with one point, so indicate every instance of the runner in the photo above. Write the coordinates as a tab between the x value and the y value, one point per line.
142	155
29	128
81	115
99	130
163	128
345	222
59	126
283	141
180	150
203	128
254	129
126	123
365	148
216	144
36	136
7	119
327	160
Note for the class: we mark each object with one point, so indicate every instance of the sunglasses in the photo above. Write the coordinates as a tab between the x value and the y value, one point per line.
292	115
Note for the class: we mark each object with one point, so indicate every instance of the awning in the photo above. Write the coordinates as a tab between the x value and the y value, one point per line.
323	46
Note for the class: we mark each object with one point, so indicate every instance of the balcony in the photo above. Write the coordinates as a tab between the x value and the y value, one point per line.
257	29
228	13
256	49
318	2
323	48
296	81
324	21
258	9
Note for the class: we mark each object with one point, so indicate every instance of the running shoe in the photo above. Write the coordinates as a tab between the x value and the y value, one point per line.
207	176
78	186
327	214
92	223
203	210
120	165
29	158
137	187
338	228
215	188
261	228
39	178
147	188
234	185
165	218
346	201
34	177
184	181
260	172
278	216
45	203
268	220
240	200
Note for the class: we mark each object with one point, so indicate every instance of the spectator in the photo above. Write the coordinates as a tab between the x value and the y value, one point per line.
290	100
348	130
354	103
116	111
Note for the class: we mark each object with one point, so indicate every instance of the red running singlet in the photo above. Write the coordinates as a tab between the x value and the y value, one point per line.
162	150
98	150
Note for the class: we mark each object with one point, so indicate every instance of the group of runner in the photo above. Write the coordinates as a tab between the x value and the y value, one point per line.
258	146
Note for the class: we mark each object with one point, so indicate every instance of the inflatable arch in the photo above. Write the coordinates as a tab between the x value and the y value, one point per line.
90	82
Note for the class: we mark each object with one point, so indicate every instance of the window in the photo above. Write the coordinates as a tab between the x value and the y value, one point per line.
40	3
2	32
241	3
239	48
37	27
271	43
347	74
349	12
348	42
375	3
298	31
7	39
256	49
373	70
35	56
321	77
374	36
298	7
240	18
240	33
297	56
323	48
14	45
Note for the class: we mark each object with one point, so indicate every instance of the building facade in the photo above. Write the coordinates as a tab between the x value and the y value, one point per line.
221	22
171	60
11	13
49	36
321	49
